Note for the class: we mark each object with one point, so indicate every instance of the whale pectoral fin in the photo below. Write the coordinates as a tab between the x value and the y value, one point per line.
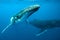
6	28
41	32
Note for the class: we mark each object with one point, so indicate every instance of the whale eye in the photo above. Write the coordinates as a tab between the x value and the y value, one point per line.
18	17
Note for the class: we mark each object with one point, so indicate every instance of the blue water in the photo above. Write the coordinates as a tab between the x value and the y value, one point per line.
49	9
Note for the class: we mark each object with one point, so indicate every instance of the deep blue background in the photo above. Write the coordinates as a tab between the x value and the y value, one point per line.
50	9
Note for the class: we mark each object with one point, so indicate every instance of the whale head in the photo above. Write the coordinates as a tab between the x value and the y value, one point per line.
25	13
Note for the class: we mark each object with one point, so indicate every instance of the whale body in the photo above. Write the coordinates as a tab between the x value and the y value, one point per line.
44	25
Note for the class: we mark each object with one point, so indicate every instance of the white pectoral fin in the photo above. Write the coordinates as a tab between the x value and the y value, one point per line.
41	32
6	28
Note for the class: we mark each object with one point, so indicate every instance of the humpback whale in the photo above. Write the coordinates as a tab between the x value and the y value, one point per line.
22	15
44	25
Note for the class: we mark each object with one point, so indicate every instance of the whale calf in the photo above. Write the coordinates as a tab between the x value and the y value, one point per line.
44	25
22	15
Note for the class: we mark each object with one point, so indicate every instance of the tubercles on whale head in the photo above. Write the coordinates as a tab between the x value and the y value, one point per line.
34	8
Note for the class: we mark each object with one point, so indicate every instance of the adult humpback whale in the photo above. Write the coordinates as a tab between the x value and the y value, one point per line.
44	25
22	15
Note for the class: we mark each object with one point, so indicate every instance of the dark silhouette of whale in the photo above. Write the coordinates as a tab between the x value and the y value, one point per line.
44	25
22	15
